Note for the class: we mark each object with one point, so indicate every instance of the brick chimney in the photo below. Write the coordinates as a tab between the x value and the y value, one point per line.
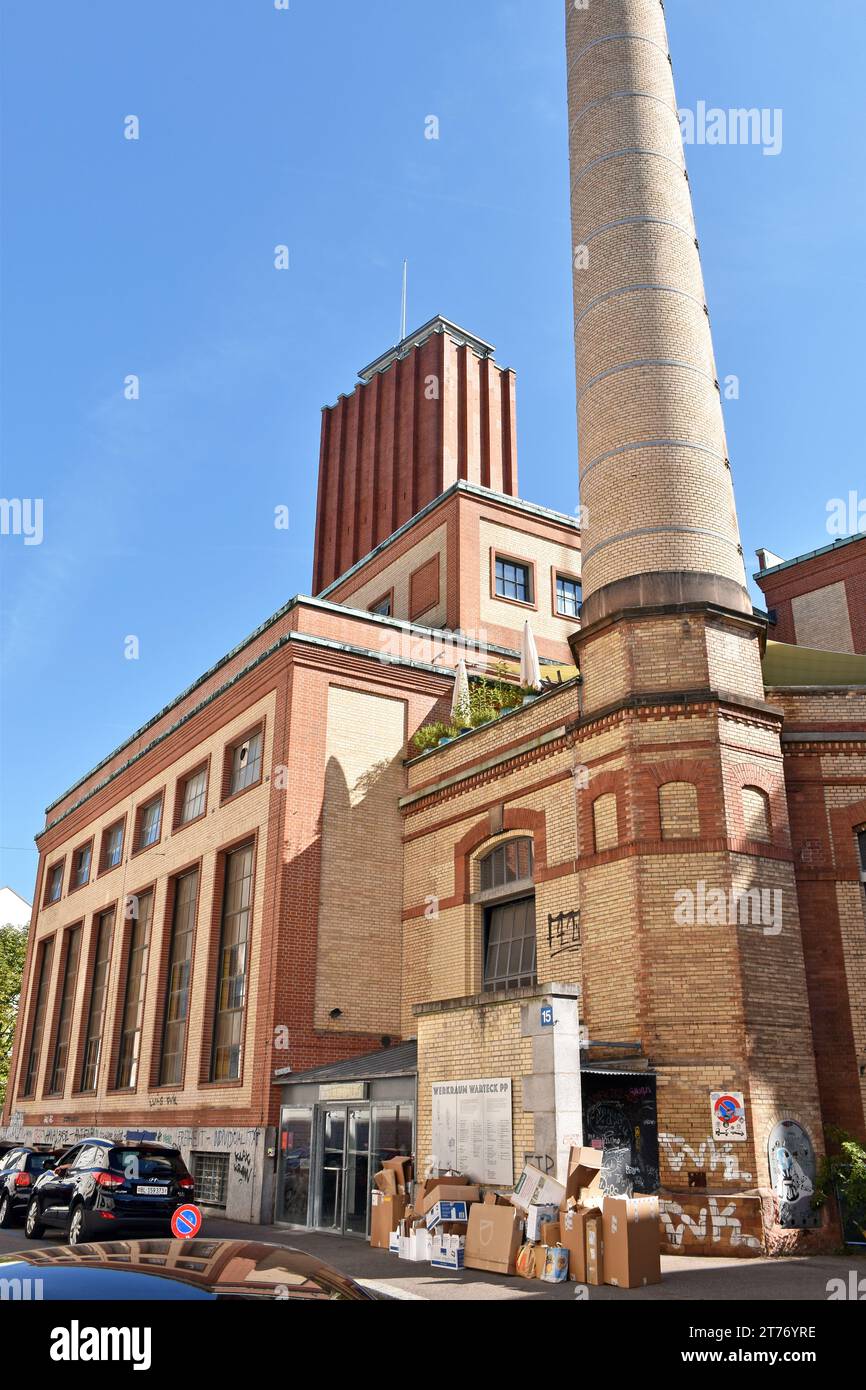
655	481
432	410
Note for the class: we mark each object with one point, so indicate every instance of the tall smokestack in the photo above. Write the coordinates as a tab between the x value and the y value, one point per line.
655	481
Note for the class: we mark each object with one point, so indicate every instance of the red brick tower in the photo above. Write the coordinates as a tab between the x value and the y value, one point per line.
432	410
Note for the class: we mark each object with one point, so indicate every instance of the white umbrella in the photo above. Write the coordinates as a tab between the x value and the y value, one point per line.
460	700
530	668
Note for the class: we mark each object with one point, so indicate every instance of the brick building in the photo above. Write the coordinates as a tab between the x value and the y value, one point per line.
630	908
818	600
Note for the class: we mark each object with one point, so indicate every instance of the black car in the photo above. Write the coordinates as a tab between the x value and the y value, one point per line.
197	1270
19	1169
101	1186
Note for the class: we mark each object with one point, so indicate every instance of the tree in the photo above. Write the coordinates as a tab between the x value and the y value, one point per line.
13	949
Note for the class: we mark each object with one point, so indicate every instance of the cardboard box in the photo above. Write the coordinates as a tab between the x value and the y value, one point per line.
401	1167
550	1233
446	1211
456	1191
394	1242
385	1181
448	1252
419	1247
536	1188
493	1237
582	1233
632	1246
540	1215
386	1214
583	1184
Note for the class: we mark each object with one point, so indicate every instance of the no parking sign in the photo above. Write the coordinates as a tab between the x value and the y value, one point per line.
729	1115
186	1222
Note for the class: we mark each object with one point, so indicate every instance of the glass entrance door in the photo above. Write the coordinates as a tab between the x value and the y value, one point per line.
343	1188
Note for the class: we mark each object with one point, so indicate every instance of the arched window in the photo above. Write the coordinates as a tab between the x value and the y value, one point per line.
509	921
756	813
678	811
508	863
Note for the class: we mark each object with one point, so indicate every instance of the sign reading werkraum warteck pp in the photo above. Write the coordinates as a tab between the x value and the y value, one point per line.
472	1128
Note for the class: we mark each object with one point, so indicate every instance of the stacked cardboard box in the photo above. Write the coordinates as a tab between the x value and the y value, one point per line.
391	1194
610	1240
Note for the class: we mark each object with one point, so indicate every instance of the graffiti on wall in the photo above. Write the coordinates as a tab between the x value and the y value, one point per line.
718	1221
709	1157
619	1116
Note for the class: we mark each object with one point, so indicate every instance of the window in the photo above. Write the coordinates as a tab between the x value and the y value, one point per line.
54	883
211	1174
98	996
177	983
112	846
569	594
512	580
382	606
133	1004
193	796
46	952
246	763
81	865
509	956
64	1021
509	863
232	966
861	836
149	823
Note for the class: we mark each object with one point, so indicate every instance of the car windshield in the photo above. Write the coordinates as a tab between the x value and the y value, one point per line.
140	1163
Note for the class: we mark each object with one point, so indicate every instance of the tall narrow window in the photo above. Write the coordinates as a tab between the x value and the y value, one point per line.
81	866
150	823
509	959
193	797
98	995
64	1021
246	765
861	836
112	846
46	953
232	966
177	984
55	883
133	1003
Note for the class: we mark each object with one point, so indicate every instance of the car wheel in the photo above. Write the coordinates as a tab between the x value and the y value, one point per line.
77	1226
33	1227
5	1211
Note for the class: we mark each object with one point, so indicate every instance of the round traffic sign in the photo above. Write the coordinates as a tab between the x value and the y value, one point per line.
186	1222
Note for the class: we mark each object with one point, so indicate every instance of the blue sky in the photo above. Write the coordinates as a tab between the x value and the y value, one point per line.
306	127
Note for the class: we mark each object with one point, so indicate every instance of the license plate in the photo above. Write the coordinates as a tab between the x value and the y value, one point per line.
153	1191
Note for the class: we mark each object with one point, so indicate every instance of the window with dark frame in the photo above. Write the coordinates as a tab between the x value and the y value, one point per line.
510	862
509	956
383	607
55	883
246	763
861	838
193	796
150	823
81	866
569	595
178	980
513	580
112	846
46	954
133	1002
64	1020
231	980
98	997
